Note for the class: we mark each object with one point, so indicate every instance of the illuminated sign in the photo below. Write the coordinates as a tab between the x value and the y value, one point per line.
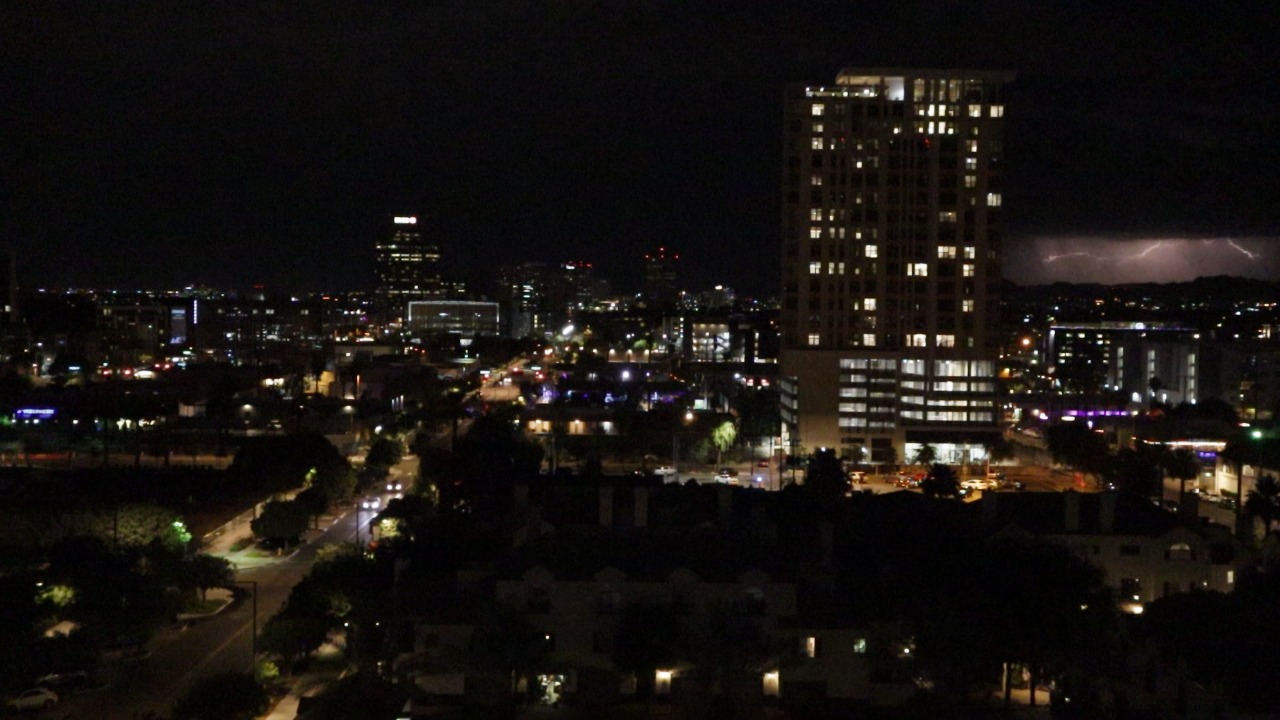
406	220
34	413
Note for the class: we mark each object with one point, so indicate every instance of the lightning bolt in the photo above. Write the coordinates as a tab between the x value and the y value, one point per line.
1055	258
1144	253
1250	255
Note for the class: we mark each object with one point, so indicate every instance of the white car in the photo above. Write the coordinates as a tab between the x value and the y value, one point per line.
726	478
977	484
33	699
664	471
373	502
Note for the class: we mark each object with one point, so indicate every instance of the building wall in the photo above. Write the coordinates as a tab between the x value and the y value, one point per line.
892	213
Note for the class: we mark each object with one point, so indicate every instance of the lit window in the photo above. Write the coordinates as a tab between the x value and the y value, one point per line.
770	684
815	180
810	648
840	268
997	111
872	251
993	199
815	339
815	214
971	163
975	111
869	339
860	646
815	232
918	269
971	181
869	304
947	216
946	252
967	270
818	109
970	253
817	127
815	268
966	305
662	682
946	341
816	144
831	268
917	340
972	145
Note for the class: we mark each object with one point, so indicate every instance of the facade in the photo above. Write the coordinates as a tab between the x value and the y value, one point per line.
8	289
463	317
1148	361
660	277
892	209
407	266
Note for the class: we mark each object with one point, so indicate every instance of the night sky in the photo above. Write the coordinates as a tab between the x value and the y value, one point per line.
151	144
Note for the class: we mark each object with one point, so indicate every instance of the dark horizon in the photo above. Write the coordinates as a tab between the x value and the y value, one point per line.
229	147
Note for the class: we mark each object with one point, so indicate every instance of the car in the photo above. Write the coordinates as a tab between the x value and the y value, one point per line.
857	477
69	678
727	476
395	486
664	470
34	699
373	502
763	463
976	484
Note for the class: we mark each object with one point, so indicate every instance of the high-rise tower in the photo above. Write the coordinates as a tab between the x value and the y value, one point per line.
892	205
407	267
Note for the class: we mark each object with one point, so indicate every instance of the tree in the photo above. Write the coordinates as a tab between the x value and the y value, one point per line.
925	455
209	571
293	636
1182	465
723	437
825	478
229	696
940	482
385	452
1263	501
1079	447
1135	472
281	522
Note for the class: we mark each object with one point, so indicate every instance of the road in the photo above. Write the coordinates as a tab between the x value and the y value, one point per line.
218	644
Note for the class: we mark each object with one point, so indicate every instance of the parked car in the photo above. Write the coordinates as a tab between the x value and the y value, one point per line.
69	678
857	477
34	699
976	484
664	470
727	476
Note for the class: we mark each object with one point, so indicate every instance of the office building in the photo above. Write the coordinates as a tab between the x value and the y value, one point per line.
461	317
407	266
892	203
660	277
8	289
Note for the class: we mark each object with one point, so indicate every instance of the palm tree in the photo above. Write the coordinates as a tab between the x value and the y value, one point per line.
1263	501
926	455
1182	465
941	481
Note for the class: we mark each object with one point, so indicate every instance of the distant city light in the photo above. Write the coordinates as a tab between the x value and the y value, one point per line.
406	220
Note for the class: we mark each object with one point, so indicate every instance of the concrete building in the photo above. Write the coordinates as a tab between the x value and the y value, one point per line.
891	256
1150	362
462	317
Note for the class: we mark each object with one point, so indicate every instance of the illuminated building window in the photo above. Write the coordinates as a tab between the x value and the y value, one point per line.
946	341
831	268
993	199
970	253
818	109
872	251
815	214
840	268
971	181
816	144
815	180
966	305
810	647
947	216
860	646
946	252
917	269
997	111
815	339
817	127
815	268
975	111
967	270
869	304
815	233
971	146
869	340
971	163
917	340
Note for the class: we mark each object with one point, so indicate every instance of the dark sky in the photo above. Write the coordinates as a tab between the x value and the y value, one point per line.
158	144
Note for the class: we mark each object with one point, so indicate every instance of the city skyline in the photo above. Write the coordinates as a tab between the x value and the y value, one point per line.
234	147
